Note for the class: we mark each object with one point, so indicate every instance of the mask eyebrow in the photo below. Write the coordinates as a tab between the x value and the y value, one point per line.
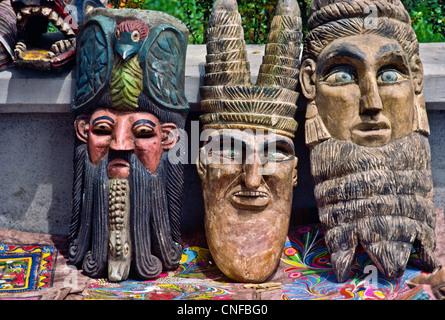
394	58
338	52
279	141
103	118
141	121
349	50
221	140
237	141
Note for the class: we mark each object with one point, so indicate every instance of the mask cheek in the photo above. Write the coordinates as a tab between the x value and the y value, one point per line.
281	178
149	155
97	150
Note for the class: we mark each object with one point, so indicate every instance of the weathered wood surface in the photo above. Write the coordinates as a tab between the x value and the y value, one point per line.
33	91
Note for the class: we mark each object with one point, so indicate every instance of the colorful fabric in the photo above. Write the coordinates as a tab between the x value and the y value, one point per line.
33	266
197	278
308	264
25	268
41	271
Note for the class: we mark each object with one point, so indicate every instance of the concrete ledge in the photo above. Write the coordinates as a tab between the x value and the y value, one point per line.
42	92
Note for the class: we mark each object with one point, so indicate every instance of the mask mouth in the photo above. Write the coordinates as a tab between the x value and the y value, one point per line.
372	126
376	132
119	164
38	48
250	200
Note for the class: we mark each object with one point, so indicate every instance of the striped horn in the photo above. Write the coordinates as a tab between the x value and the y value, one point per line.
280	67
229	100
226	49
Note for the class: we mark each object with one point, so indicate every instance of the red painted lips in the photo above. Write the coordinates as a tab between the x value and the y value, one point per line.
118	168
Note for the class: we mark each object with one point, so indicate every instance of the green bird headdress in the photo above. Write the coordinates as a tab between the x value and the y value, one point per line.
131	60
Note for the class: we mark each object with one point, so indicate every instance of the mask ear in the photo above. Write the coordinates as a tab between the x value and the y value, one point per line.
82	127
420	115
200	167
307	78
170	135
295	173
417	74
315	130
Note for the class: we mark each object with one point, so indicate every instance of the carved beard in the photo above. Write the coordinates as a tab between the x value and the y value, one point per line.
380	197
153	247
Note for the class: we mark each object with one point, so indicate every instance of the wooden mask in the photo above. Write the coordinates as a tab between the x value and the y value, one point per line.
248	165
367	128
130	104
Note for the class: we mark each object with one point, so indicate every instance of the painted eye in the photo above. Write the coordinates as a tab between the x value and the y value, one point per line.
227	154
143	132
126	248
117	34
277	156
102	128
389	76
135	36
342	74
232	153
343	77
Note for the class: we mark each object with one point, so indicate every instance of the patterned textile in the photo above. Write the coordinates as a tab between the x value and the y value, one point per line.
35	266
197	278
24	268
308	264
8	34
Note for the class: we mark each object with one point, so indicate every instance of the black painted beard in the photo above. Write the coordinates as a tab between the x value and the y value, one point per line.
154	248
379	197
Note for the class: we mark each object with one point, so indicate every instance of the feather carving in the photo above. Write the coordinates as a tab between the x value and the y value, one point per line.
126	84
229	99
92	62
164	68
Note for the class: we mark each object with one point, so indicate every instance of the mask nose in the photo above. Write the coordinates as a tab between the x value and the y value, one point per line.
125	155
252	174
370	102
121	140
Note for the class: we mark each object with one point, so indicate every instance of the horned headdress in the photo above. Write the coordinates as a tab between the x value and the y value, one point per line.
229	100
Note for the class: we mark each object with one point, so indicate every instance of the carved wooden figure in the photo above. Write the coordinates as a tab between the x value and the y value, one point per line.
8	34
367	128
38	49
247	165
130	104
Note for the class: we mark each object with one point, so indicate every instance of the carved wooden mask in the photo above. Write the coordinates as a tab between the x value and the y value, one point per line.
247	165
367	128
38	48
130	105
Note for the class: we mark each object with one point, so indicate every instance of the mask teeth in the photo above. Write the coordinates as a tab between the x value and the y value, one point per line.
280	67
226	49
